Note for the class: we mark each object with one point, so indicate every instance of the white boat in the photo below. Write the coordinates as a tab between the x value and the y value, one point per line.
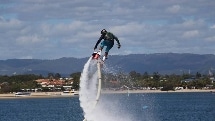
21	94
72	92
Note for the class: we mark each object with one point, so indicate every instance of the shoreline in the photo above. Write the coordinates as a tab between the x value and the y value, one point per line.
34	95
159	91
58	94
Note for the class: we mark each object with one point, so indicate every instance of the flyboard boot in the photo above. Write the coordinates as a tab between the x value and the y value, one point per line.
104	58
96	55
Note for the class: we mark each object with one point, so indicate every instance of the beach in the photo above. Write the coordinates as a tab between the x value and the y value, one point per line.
33	95
58	94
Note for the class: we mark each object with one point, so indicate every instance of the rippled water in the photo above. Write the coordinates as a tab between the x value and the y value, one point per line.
137	107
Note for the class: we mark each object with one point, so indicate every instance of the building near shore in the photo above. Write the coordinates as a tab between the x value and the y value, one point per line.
56	84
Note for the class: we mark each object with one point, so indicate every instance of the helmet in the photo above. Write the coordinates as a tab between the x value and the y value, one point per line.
103	31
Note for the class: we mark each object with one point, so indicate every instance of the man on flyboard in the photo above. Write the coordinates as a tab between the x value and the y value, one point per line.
108	42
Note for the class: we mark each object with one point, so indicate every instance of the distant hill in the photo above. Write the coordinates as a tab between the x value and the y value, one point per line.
163	63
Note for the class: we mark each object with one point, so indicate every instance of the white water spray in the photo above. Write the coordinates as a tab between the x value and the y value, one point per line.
88	88
88	95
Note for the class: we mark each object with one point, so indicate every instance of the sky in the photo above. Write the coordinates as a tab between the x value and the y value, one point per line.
52	29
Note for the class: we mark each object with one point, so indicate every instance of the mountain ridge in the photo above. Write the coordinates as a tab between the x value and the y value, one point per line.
163	63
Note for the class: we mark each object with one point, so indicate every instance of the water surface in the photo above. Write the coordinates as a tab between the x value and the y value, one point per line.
138	107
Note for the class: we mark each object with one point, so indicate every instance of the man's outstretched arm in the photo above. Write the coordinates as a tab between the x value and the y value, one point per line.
117	40
98	41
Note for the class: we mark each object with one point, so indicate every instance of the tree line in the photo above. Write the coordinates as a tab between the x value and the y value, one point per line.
16	83
131	80
135	80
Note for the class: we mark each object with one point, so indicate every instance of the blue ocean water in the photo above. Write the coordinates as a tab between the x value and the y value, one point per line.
140	107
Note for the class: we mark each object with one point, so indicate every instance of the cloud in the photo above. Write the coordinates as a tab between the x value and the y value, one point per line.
174	9
10	24
210	39
43	29
32	39
190	34
212	27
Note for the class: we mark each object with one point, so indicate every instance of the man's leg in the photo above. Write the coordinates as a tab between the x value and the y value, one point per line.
100	51
109	46
106	54
101	47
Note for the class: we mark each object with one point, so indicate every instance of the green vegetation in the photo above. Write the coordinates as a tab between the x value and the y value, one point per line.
132	80
17	82
135	80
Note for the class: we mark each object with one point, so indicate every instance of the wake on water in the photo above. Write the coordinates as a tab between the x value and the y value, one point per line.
87	97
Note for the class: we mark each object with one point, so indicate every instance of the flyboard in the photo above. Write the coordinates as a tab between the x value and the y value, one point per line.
96	57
